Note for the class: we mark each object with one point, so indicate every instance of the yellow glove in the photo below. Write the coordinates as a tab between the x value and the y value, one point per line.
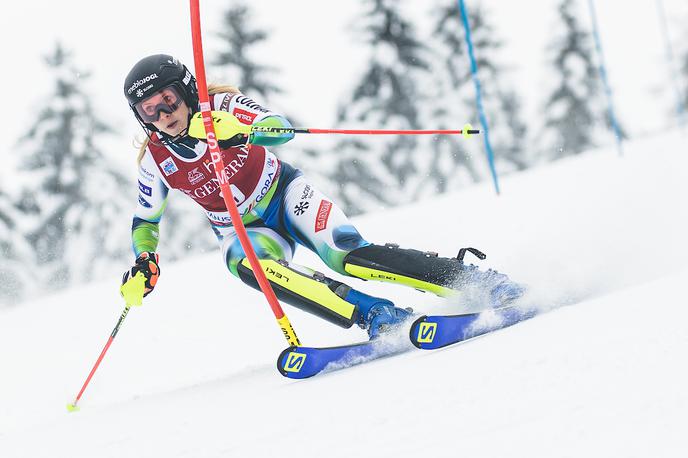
133	289
140	280
228	129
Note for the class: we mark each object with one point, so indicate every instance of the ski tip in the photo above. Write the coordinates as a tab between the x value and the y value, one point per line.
290	362
414	331
72	407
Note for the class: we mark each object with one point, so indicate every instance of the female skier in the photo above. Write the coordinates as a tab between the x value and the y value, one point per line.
279	206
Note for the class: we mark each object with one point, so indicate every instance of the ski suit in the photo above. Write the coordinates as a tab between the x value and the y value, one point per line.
280	209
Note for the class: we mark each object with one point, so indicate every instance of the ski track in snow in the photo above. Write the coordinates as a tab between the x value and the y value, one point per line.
192	372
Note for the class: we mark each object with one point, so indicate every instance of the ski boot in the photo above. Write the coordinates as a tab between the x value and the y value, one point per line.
505	293
426	271
376	315
497	289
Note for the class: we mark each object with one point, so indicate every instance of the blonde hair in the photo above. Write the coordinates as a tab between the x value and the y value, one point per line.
212	90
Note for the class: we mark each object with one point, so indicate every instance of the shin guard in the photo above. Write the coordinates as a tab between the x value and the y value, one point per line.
424	271
307	290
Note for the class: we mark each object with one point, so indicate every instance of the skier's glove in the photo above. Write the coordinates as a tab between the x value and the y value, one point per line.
147	264
228	129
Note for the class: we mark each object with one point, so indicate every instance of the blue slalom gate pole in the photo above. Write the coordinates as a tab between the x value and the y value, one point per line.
478	94
603	77
680	108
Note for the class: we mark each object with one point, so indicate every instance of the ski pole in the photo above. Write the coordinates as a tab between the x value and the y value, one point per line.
132	291
467	131
282	320
239	128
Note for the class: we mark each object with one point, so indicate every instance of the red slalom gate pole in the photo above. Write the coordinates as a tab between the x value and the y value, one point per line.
227	195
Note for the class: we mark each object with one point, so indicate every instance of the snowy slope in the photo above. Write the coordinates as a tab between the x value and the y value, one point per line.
191	373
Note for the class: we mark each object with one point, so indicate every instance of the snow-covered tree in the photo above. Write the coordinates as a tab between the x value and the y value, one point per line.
684	69
77	228
14	252
382	171
240	62
451	161
575	111
237	59
454	159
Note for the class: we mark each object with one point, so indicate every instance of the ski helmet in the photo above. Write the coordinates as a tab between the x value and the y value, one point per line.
154	73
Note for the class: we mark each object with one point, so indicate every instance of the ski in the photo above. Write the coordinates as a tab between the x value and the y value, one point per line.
303	362
427	332
436	331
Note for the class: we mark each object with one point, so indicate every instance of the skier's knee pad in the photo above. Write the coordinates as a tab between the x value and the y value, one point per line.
307	290
424	271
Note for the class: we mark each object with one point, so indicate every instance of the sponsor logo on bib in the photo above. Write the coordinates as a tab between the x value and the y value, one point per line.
168	166
195	176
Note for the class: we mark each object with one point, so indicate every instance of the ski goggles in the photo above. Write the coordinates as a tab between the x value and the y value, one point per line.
166	100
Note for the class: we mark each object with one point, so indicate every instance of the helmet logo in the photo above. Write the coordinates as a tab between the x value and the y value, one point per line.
140	82
139	93
187	78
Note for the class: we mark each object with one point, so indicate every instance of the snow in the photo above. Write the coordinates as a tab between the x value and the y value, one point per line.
192	372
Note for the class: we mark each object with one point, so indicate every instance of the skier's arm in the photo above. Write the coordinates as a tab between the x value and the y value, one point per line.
249	112
151	205
144	236
269	138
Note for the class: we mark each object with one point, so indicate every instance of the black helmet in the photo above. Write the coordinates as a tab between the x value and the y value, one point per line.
152	74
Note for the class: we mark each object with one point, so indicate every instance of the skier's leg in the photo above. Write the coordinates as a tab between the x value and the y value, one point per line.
267	244
329	299
306	289
314	221
426	271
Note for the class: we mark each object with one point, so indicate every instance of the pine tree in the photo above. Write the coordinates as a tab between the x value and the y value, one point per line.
575	106
77	229
382	171
685	86
14	272
240	39
453	162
